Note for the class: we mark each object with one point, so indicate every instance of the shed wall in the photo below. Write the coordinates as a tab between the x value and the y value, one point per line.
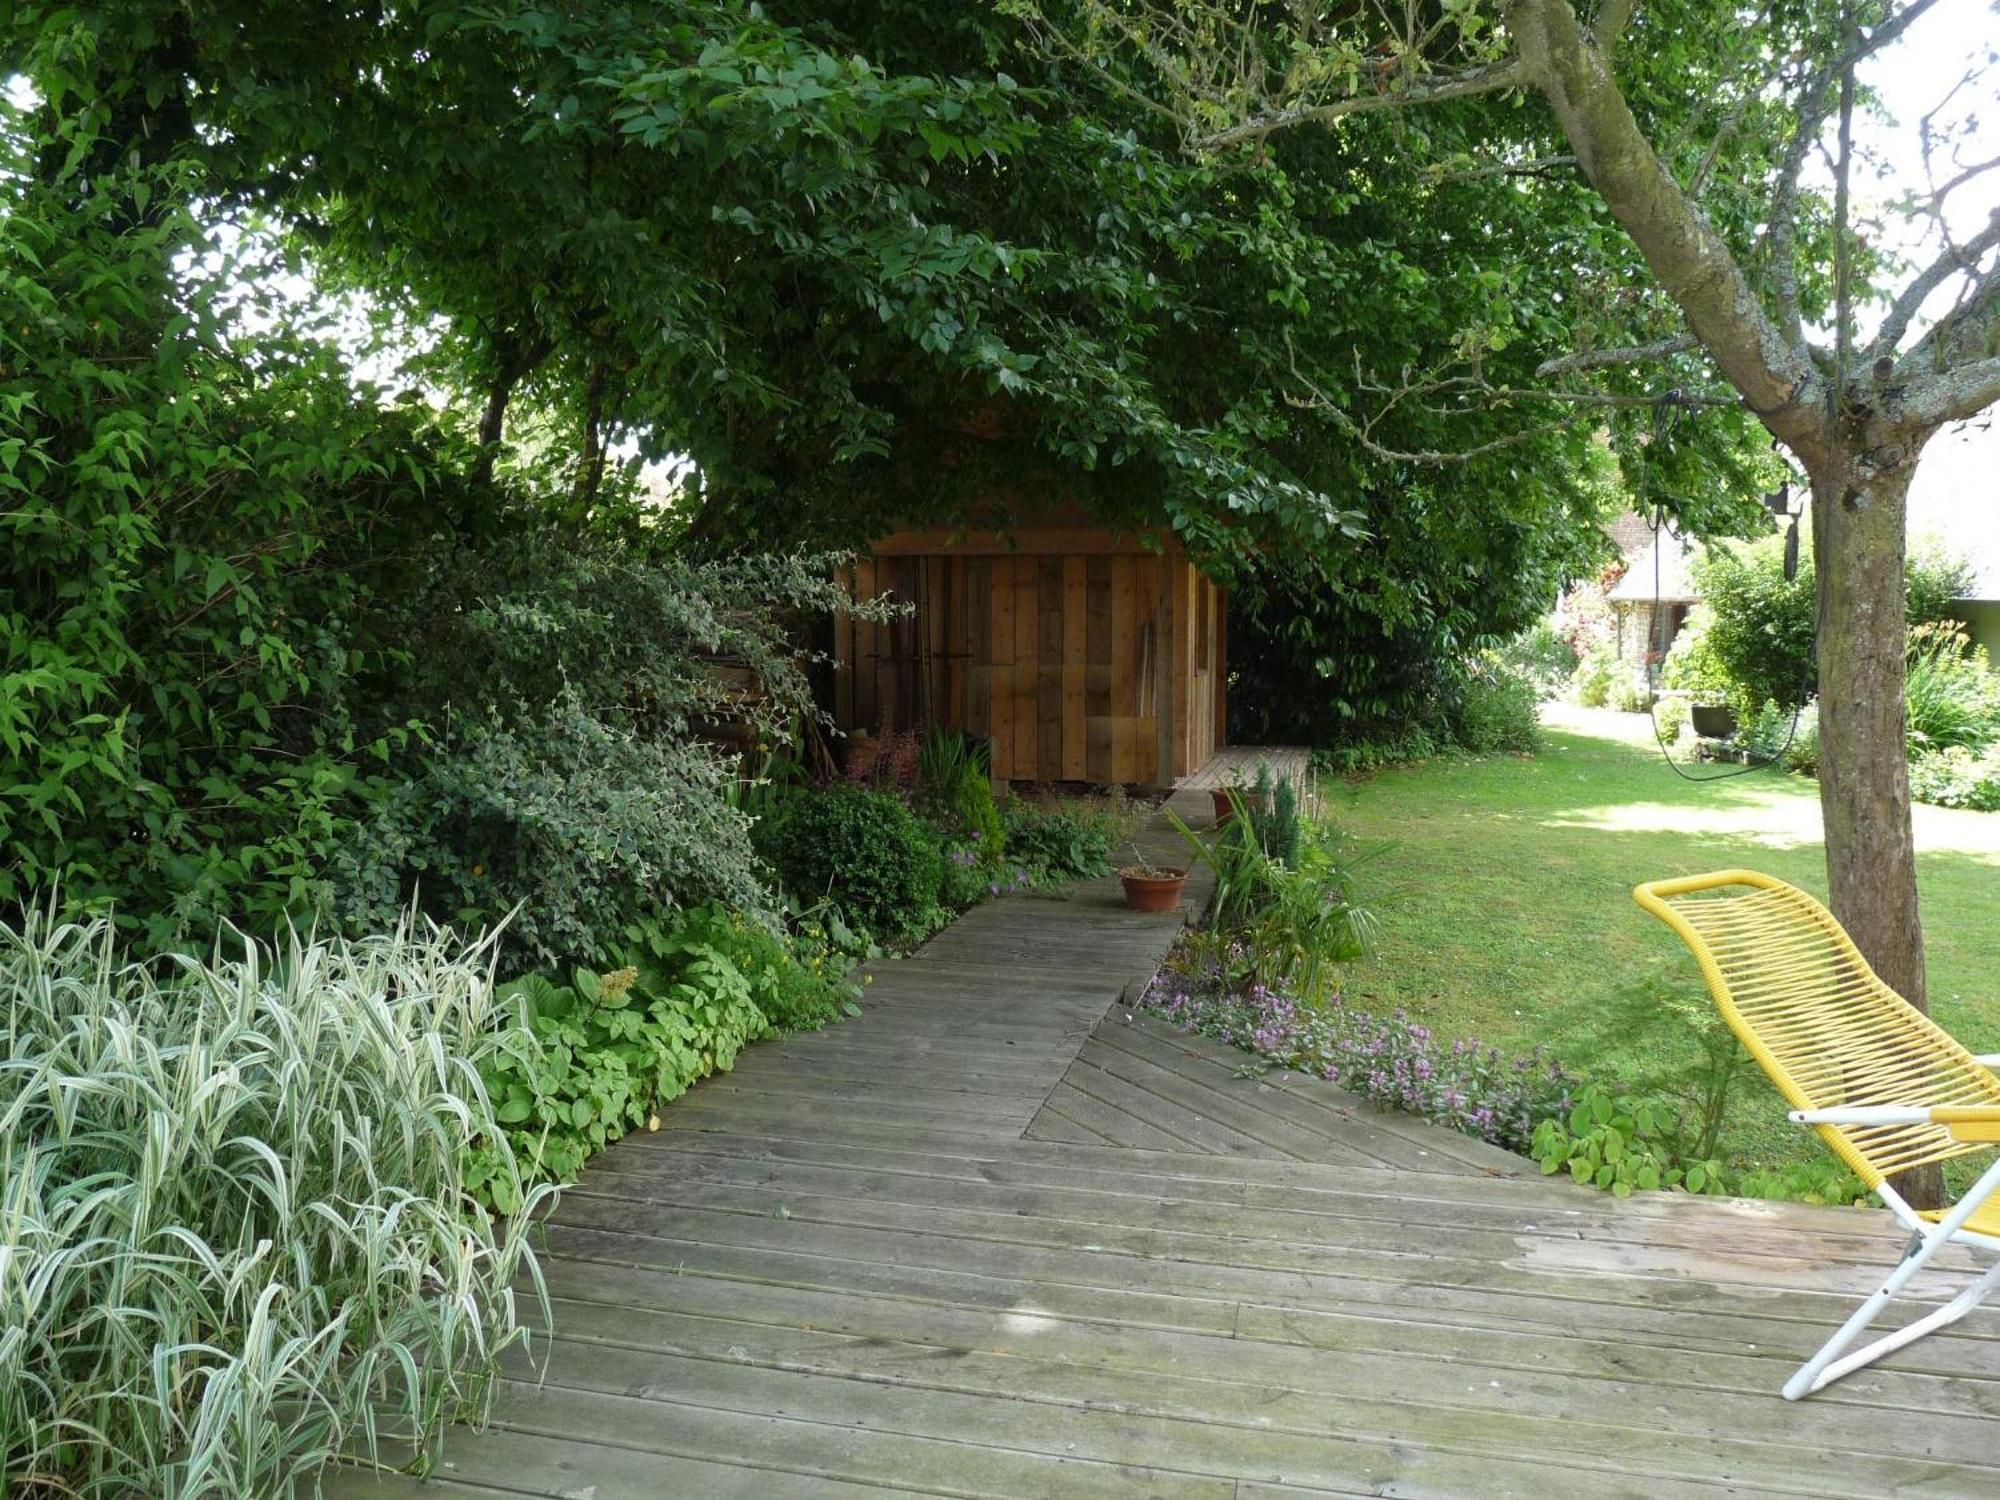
1083	665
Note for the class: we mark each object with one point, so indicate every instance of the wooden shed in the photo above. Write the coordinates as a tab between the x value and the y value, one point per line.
1079	653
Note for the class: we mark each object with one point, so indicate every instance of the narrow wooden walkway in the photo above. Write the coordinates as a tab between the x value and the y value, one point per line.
997	1238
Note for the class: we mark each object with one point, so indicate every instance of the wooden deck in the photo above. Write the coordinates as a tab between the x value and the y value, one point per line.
997	1238
1237	765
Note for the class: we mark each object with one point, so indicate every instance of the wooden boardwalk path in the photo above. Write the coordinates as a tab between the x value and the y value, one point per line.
996	1238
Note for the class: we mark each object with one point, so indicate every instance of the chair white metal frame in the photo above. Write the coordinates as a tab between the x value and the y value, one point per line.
1887	1089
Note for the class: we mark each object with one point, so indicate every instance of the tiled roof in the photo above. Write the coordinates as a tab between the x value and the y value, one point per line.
1674	582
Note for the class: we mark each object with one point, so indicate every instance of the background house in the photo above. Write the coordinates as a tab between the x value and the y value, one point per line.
1650	603
1078	651
1954	506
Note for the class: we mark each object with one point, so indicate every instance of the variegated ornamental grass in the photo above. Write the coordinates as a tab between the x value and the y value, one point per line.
233	1235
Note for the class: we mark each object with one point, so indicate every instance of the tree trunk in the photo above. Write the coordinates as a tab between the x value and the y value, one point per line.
1864	776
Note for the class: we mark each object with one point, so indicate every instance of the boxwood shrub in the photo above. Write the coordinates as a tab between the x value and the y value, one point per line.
863	851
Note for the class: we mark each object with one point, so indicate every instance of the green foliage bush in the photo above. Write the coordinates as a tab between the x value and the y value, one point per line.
1541	655
1400	747
1671	714
1951	697
1956	777
268	649
235	1230
193	535
864	852
1599	669
571	678
1762	624
1497	708
1058	844
1622	1144
1277	925
1692	665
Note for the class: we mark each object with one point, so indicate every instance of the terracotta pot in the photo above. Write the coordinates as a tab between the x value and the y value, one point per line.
1153	892
1713	721
1225	810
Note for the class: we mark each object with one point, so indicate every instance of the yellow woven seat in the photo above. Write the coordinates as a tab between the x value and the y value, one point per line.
1886	1087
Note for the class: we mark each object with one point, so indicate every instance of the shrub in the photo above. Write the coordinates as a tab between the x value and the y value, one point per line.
1769	733
1762	624
1692	665
1055	845
1410	743
1803	754
1620	1144
1278	925
1670	716
1541	655
1956	777
864	852
1498	708
1599	669
1951	695
955	789
234	1223
1629	692
1390	1060
585	824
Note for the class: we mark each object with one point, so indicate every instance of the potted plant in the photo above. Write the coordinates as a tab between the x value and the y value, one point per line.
1693	668
1251	796
1712	721
1151	887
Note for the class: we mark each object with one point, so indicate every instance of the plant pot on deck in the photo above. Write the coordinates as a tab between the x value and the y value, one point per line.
1225	807
1152	890
1713	721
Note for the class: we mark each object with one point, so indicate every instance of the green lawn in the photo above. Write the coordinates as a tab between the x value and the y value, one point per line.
1504	891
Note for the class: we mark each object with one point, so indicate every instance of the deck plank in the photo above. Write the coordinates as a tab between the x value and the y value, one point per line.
1001	1237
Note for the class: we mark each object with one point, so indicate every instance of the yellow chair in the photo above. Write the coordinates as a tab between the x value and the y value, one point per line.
1885	1086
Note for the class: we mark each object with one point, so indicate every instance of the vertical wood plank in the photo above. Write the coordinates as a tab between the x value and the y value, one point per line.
1146	670
1076	626
978	646
1221	691
1124	662
1027	695
1000	714
843	660
892	575
1163	677
1049	668
1181	603
1097	669
865	635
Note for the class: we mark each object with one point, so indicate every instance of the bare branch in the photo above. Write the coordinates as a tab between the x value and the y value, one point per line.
1599	359
1534	166
1951	371
1362	435
1814	107
1491	78
1691	261
1953	260
1955	394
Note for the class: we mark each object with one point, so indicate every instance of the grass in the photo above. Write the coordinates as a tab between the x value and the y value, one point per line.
1504	892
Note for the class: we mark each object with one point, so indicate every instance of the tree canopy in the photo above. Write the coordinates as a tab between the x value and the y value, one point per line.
868	264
